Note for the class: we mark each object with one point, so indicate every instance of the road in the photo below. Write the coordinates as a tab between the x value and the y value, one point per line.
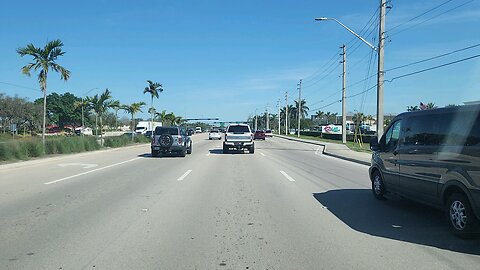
285	207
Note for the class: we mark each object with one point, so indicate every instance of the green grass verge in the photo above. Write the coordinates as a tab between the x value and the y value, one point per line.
28	148
353	146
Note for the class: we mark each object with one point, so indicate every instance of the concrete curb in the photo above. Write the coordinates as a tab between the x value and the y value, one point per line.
324	151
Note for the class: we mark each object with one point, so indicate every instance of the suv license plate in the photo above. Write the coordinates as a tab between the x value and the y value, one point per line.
156	148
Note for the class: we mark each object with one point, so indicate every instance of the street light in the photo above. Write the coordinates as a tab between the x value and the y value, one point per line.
379	50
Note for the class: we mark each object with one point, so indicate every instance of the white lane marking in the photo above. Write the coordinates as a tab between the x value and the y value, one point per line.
84	165
95	170
287	176
263	154
184	175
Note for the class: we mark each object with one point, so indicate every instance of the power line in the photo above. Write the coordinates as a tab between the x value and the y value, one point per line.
432	68
320	79
330	104
318	72
364	91
434	17
323	100
420	15
20	86
435	57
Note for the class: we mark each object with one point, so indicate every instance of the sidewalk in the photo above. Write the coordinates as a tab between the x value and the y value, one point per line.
336	150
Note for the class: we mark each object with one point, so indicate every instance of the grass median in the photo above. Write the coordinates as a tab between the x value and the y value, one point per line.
32	147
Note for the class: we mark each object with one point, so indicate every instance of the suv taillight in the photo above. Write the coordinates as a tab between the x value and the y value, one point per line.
153	139
180	140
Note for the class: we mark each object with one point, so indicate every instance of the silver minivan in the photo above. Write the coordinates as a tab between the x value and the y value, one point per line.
433	157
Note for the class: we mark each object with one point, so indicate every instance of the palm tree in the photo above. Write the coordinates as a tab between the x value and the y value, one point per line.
170	118
431	105
100	104
154	89
319	115
82	104
304	108
44	60
412	108
328	115
116	106
179	120
132	109
161	116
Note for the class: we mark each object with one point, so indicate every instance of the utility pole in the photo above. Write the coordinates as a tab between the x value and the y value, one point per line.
344	90
268	119
255	119
286	112
381	43
278	106
299	111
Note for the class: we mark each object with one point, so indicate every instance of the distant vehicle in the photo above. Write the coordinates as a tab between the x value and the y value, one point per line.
148	133
259	135
432	156
268	133
198	130
144	126
171	140
214	134
83	131
239	137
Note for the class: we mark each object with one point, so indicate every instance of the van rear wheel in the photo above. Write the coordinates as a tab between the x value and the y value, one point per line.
461	219
378	187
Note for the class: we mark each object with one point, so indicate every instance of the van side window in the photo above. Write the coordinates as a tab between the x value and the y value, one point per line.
422	130
392	136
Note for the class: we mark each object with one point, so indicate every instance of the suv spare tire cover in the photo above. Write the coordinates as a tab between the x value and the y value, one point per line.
166	140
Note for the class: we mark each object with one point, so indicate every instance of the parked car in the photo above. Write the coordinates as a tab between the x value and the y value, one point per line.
214	134
268	133
239	137
433	157
171	140
259	135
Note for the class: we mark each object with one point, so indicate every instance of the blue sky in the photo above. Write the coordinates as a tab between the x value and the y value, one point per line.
229	58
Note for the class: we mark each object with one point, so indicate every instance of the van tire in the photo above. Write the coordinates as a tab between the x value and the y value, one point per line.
378	186
189	150
225	149
460	217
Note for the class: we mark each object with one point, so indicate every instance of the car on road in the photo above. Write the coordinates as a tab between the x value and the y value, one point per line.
214	134
198	130
433	157
238	137
259	135
268	133
167	140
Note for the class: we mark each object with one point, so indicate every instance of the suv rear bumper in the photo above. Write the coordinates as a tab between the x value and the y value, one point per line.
172	148
238	145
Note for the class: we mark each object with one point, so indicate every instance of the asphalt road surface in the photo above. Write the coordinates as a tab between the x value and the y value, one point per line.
285	207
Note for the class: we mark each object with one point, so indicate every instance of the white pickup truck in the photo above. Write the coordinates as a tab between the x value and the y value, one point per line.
239	137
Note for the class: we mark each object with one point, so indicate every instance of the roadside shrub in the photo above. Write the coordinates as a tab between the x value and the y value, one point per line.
34	148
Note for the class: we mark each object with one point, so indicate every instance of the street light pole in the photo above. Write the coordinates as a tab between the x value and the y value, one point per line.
344	95
299	106
380	51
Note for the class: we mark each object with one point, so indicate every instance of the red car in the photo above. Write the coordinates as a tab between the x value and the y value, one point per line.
259	135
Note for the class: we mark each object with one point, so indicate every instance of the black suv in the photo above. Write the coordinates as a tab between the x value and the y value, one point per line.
433	156
171	140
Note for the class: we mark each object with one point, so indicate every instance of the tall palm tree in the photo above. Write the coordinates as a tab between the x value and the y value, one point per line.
154	89
44	60
132	109
179	120
100	104
431	105
412	108
328	115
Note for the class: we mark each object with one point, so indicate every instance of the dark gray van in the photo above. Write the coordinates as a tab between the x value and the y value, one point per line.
433	156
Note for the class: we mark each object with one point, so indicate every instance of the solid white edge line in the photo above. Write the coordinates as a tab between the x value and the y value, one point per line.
95	170
184	175
287	176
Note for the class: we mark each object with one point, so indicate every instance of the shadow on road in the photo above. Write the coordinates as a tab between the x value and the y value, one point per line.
230	152
169	155
397	219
